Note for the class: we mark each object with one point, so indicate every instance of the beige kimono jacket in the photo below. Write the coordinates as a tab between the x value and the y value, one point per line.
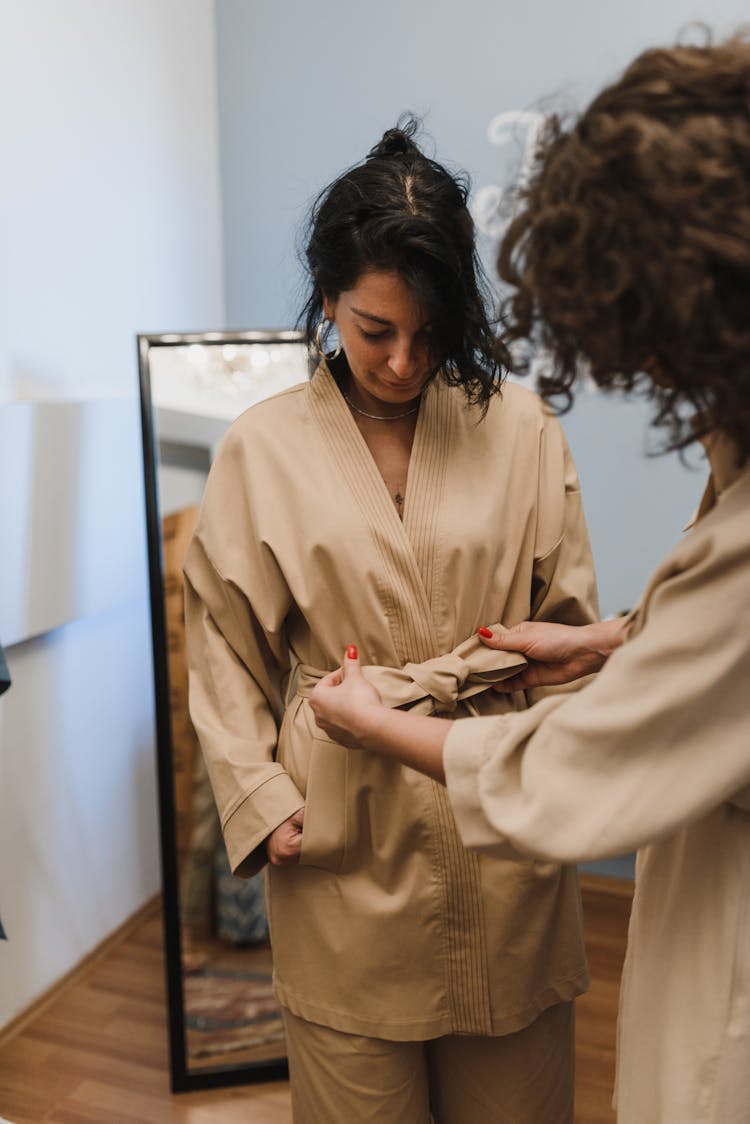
388	926
654	753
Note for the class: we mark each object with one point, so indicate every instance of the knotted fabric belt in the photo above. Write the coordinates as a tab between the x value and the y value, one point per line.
437	684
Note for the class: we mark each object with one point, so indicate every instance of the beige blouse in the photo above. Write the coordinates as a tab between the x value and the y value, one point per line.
388	926
654	753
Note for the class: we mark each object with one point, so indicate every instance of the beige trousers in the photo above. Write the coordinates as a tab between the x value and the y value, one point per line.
521	1078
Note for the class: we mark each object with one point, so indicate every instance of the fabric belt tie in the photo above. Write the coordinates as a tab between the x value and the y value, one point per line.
440	683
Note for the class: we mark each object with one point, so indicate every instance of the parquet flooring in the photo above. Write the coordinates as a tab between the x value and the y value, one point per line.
97	1053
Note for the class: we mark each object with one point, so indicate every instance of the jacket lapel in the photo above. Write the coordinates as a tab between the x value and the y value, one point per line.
406	549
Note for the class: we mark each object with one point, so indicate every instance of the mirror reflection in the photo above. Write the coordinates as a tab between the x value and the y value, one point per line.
223	1013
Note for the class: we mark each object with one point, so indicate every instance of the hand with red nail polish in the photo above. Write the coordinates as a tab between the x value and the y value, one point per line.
556	653
344	703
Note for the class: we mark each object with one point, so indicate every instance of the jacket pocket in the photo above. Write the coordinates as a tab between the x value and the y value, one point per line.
324	835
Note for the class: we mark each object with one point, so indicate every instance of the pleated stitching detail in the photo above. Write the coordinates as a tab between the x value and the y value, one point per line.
410	617
408	553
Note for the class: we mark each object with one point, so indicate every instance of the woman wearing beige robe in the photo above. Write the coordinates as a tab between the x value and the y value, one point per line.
387	933
655	752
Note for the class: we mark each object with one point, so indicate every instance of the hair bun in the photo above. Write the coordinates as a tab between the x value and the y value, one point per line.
397	142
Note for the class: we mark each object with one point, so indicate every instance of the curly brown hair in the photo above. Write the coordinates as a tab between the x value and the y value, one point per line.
632	247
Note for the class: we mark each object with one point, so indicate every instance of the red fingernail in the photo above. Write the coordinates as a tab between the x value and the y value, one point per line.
486	632
351	652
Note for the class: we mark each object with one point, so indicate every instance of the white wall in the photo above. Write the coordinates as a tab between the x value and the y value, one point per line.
306	89
109	225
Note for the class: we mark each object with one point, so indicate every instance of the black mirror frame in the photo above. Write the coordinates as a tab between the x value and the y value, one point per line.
181	1079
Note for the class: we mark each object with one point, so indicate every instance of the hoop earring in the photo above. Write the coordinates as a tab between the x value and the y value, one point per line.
320	331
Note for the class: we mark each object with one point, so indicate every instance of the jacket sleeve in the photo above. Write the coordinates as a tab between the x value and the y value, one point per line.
237	662
656	740
563	581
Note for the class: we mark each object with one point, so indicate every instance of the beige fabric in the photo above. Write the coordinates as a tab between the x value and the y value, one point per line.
521	1078
655	753
388	926
441	683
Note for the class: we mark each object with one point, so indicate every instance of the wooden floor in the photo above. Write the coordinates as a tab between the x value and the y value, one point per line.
97	1053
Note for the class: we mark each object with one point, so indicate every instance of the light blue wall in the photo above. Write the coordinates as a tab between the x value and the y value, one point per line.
304	91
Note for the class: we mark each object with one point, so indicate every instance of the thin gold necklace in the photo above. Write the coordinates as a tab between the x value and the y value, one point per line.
380	417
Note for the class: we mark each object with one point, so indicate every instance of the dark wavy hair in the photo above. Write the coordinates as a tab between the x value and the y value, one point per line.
401	211
632	247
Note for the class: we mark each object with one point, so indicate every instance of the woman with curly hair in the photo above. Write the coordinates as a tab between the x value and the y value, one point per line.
401	494
632	254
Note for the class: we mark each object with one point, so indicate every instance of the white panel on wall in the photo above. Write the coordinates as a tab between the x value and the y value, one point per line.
78	827
71	513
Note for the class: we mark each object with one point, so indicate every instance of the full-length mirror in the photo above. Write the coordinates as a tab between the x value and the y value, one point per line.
225	1025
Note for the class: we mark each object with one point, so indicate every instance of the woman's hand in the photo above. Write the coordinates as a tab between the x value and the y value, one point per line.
349	708
557	653
343	701
284	844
